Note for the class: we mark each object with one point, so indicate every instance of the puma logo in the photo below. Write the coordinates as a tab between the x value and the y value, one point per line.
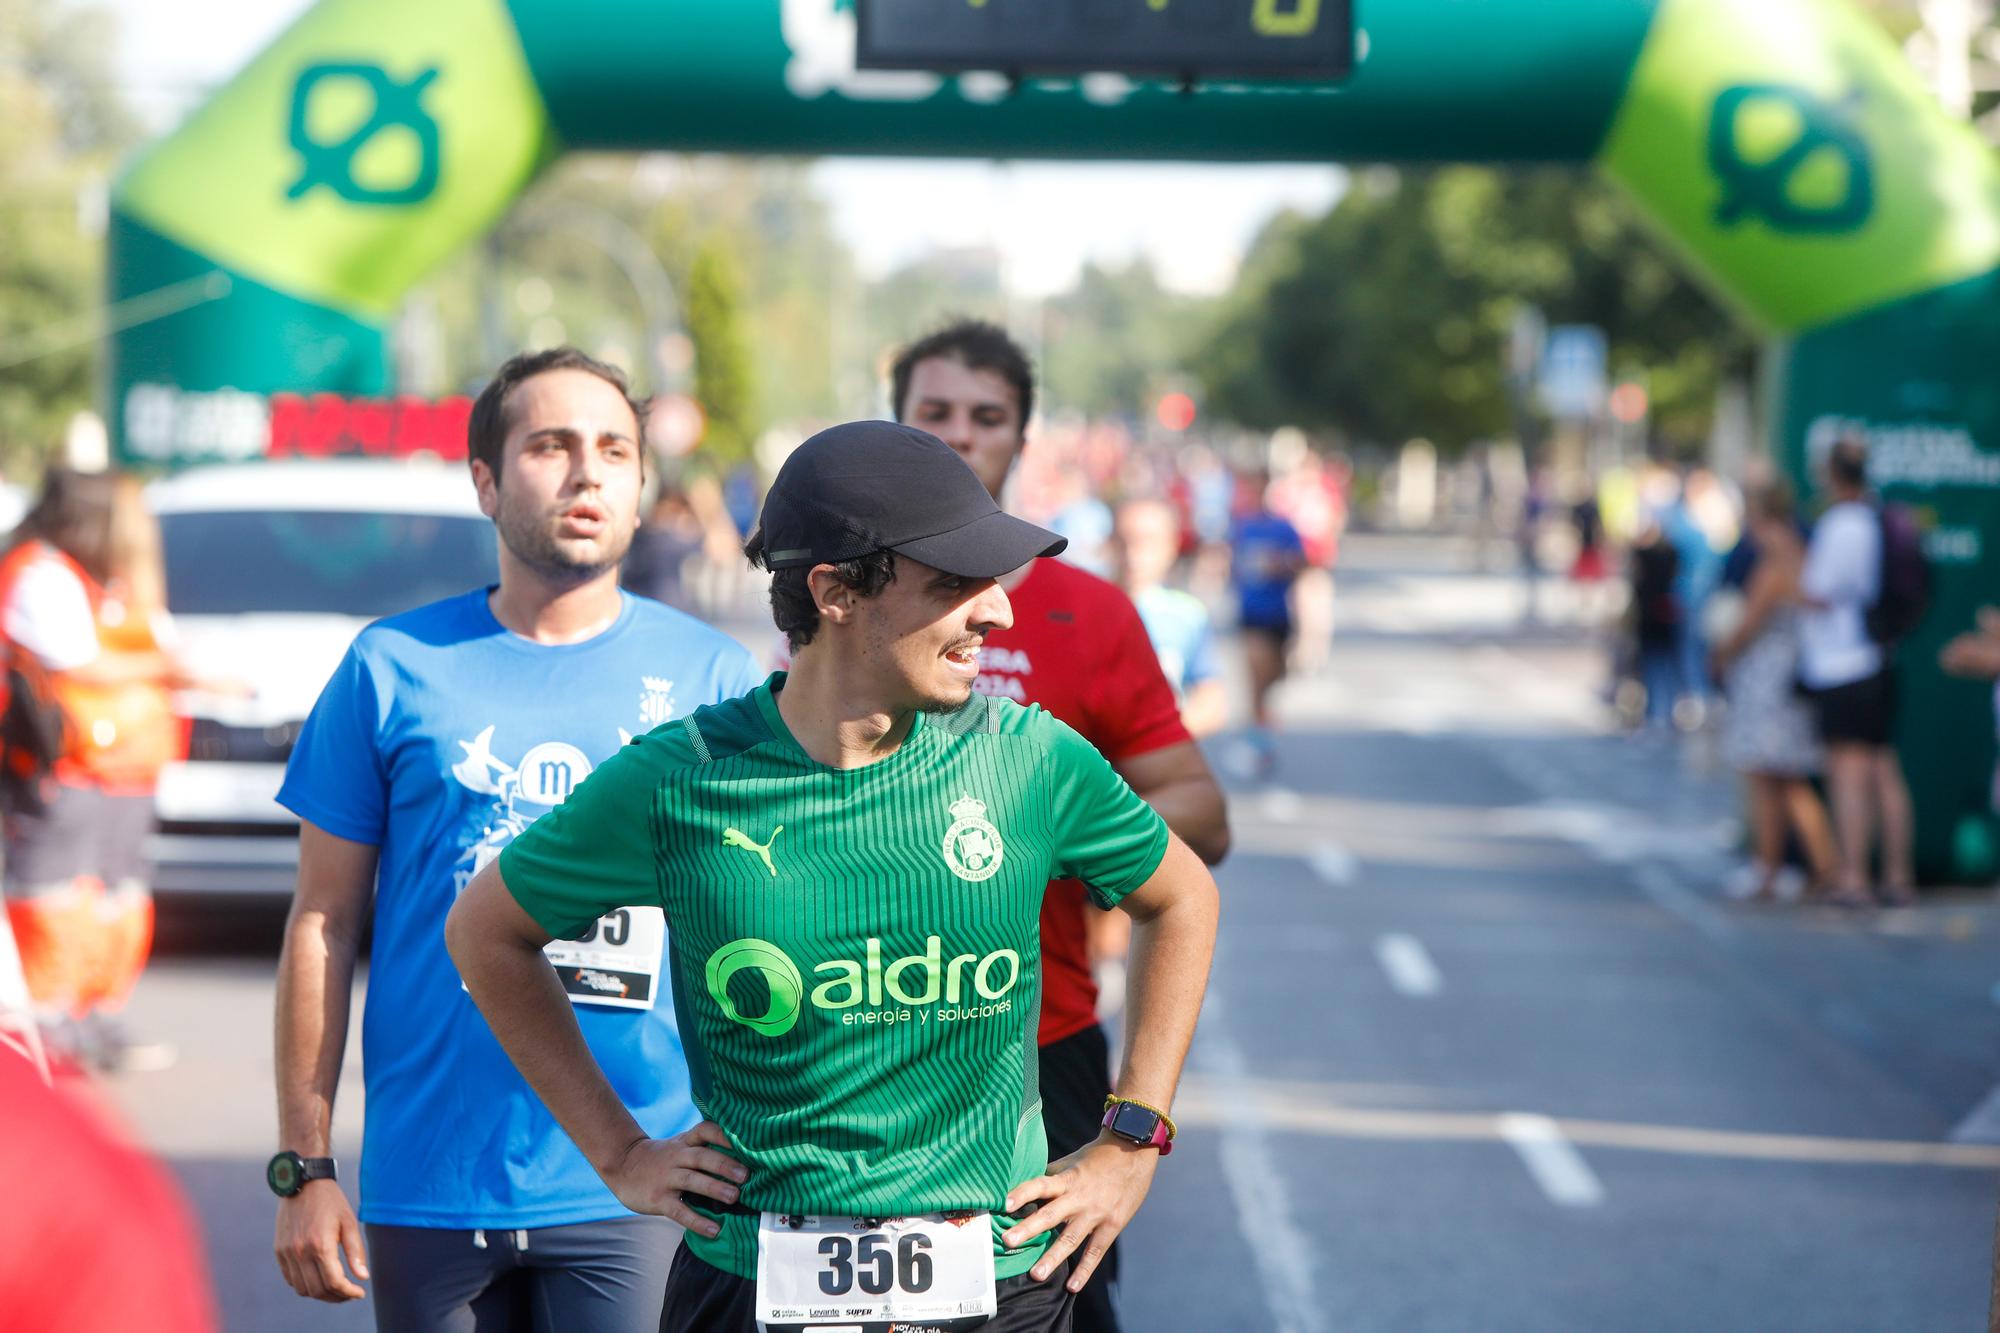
733	837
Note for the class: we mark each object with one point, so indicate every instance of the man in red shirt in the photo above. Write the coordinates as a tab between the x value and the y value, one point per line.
1078	648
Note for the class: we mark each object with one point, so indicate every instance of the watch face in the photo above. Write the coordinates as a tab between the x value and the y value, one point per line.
1134	1122
286	1174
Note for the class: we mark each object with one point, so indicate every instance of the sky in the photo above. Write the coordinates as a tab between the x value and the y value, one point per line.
1046	219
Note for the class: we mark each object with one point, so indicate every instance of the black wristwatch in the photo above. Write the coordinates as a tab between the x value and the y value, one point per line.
287	1173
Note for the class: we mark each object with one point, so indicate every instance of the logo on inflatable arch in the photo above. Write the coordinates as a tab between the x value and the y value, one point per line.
396	107
1786	187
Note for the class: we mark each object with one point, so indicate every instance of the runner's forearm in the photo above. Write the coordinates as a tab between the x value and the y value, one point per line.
315	983
498	950
1171	950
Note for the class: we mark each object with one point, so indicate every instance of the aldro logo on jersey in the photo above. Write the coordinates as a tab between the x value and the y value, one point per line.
757	984
972	846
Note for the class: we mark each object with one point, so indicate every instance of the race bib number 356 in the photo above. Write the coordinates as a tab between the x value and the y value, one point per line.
866	1273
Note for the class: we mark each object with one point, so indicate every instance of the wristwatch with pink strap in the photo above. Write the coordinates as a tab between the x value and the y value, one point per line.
1136	1122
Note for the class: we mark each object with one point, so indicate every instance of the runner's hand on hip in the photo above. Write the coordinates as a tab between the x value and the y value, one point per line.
653	1174
316	1227
1092	1194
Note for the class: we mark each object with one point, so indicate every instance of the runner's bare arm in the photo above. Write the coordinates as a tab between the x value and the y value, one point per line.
497	947
1176	781
315	990
1094	1192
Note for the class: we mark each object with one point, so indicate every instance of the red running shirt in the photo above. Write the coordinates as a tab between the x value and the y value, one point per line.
1079	649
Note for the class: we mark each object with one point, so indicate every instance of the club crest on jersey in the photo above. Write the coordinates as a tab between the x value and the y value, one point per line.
656	703
972	846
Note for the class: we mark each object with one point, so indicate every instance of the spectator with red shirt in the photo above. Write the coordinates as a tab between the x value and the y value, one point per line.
1079	649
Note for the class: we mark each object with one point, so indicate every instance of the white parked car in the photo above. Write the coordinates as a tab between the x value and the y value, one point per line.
272	568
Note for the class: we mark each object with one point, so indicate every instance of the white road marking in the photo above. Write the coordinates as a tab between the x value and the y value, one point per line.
1557	1167
1982	1123
1284	1255
1282	805
1335	864
1409	966
1299	1109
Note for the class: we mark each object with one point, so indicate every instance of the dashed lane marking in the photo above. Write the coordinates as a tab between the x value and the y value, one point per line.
1284	1255
1334	864
1555	1164
1409	965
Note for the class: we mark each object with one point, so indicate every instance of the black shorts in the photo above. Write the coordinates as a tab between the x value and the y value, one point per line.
1278	631
1862	712
1076	1078
701	1298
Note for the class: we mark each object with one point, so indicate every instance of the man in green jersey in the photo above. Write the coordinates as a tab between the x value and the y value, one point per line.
852	860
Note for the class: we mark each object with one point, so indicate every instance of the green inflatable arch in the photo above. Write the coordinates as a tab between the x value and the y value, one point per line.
1783	147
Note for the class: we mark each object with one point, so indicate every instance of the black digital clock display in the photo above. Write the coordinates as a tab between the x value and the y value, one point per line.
1189	39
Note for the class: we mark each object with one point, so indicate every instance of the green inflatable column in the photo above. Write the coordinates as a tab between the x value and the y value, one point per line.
1794	158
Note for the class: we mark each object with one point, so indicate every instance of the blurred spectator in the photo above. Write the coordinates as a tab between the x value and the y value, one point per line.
1590	570
1527	541
1147	543
1976	654
1687	521
94	1237
1266	557
1767	732
669	537
1853	685
1656	624
88	682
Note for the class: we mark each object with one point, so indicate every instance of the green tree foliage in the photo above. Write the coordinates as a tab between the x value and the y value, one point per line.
1386	318
61	122
1109	340
722	377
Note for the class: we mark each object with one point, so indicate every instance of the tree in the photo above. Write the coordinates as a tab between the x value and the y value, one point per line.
1386	318
1111	339
722	379
61	123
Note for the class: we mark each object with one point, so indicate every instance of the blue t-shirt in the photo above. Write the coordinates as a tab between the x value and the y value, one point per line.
1265	554
439	739
1177	623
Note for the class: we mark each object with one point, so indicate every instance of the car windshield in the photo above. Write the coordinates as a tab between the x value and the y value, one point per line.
322	562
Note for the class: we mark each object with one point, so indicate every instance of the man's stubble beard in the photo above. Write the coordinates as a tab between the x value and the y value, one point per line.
529	541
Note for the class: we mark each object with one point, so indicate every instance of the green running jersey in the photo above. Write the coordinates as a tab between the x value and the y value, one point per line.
855	953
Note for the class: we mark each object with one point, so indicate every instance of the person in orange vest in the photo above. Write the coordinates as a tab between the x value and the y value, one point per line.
89	725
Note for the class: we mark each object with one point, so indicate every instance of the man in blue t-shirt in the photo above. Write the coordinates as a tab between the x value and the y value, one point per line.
444	733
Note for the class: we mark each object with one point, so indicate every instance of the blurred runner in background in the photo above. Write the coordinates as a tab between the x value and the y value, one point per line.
1311	494
1266	558
1078	648
1147	539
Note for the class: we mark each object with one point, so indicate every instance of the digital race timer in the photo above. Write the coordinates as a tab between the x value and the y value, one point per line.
1191	39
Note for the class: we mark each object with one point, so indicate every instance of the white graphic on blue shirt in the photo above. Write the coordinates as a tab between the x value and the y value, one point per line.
522	793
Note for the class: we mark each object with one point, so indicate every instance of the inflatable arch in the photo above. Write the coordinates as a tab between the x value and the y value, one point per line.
1783	147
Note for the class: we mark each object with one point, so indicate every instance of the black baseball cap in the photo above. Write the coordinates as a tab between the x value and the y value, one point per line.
869	486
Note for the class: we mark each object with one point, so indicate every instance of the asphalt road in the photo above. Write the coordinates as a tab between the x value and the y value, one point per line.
1485	1046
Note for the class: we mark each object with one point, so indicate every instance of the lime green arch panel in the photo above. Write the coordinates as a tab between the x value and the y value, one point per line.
1797	162
367	144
